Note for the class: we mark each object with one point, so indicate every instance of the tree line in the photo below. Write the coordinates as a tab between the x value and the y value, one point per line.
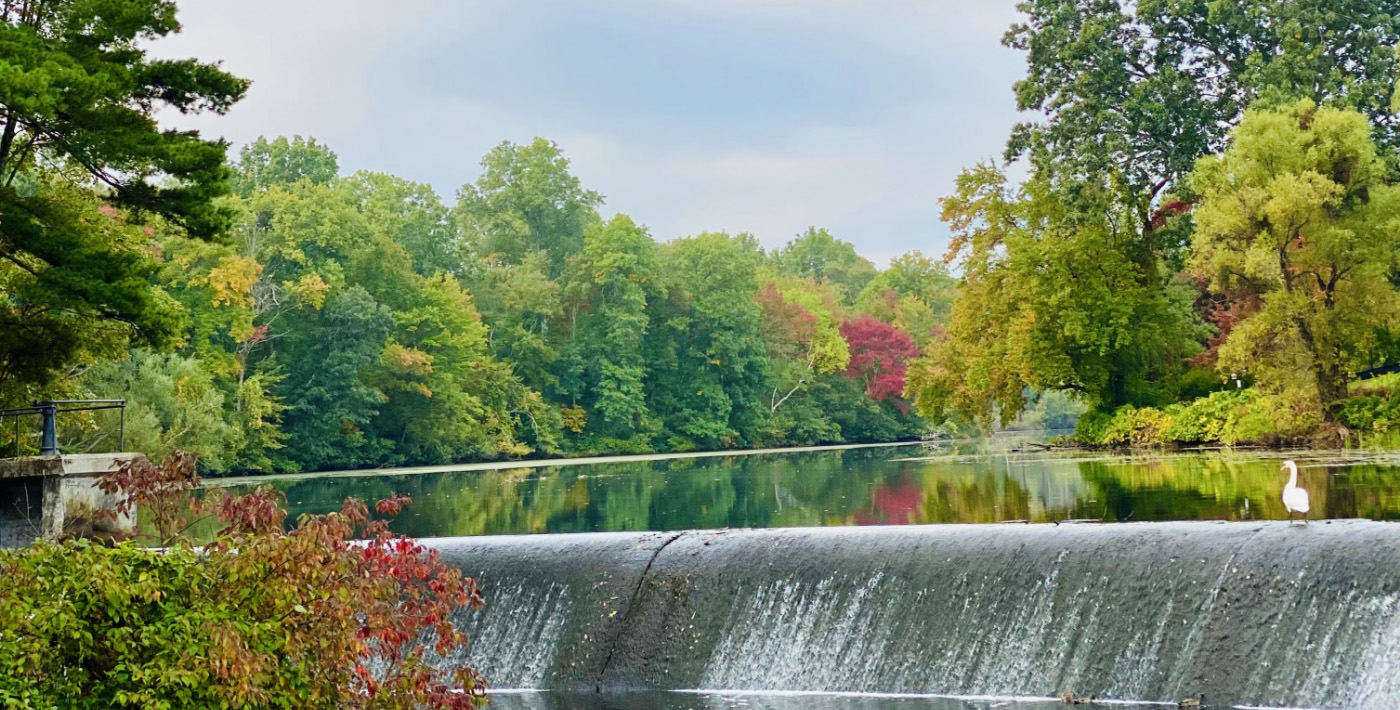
347	321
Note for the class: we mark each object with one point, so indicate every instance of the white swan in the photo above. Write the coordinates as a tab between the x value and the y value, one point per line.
1295	499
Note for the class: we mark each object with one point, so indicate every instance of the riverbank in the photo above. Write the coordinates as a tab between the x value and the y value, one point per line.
1248	417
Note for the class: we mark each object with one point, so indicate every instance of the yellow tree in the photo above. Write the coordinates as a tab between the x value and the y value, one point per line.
1299	211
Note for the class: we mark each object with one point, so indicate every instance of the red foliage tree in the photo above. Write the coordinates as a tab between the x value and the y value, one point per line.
880	353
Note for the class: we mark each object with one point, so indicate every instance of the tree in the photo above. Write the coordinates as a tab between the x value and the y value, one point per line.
263	164
79	97
817	255
801	328
173	403
1135	92
705	348
1050	300
525	201
915	294
1299	212
412	215
604	368
879	355
331	403
521	305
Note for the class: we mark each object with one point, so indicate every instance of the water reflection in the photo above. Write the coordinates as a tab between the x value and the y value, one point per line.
907	485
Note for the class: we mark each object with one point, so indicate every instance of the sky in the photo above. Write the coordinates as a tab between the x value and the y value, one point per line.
760	116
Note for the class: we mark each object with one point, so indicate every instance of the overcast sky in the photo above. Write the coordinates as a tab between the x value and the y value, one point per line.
764	116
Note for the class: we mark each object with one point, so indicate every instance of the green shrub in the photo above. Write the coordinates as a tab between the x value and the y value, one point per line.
1135	426
1091	428
1370	414
262	617
1226	417
1205	420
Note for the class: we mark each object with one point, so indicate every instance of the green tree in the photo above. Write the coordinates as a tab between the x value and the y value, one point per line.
522	305
1137	91
1051	301
79	96
173	403
802	333
816	254
525	201
604	367
1299	211
707	377
263	164
412	215
331	402
915	294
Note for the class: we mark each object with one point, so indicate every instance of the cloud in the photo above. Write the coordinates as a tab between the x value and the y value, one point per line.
744	115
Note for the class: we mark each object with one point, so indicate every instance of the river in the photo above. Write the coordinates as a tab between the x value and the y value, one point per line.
886	485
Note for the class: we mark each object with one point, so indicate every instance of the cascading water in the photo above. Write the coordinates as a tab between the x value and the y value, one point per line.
1244	613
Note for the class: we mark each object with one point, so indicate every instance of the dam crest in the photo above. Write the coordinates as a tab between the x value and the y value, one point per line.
1259	614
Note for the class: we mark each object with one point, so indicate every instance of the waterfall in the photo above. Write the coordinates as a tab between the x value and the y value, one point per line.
1256	614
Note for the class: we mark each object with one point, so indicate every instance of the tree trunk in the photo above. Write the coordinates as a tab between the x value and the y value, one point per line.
1331	389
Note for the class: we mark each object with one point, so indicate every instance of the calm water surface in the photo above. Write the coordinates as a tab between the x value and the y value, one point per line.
913	484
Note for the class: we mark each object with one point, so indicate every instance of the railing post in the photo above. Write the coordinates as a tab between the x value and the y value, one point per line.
48	441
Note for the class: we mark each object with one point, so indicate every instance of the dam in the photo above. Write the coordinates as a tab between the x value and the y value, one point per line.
1243	613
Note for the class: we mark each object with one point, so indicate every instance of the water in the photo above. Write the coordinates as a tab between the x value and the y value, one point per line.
743	701
866	486
1257	614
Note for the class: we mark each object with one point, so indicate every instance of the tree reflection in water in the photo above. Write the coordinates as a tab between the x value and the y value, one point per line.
891	486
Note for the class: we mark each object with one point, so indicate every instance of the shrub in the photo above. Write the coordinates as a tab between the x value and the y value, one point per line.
1205	420
262	616
1227	417
1370	414
1091	427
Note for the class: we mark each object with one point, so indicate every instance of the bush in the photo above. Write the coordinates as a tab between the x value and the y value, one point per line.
1371	414
1206	420
1091	427
260	617
1227	417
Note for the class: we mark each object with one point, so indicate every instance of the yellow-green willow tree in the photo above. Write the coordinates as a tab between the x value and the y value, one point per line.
1300	211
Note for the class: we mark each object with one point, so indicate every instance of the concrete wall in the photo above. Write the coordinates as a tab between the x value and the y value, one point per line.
70	501
1262	614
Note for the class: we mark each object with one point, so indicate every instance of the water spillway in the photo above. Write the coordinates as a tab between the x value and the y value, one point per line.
1245	613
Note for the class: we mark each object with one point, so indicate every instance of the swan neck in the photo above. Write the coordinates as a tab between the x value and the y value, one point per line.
1292	477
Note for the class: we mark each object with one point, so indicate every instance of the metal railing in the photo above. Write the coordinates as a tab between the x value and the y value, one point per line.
48	411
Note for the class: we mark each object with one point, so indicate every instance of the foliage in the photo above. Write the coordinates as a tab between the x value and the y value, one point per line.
1138	91
817	255
334	613
526	201
915	294
174	404
85	170
1049	301
708	377
264	163
603	368
1299	212
879	354
1228	417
